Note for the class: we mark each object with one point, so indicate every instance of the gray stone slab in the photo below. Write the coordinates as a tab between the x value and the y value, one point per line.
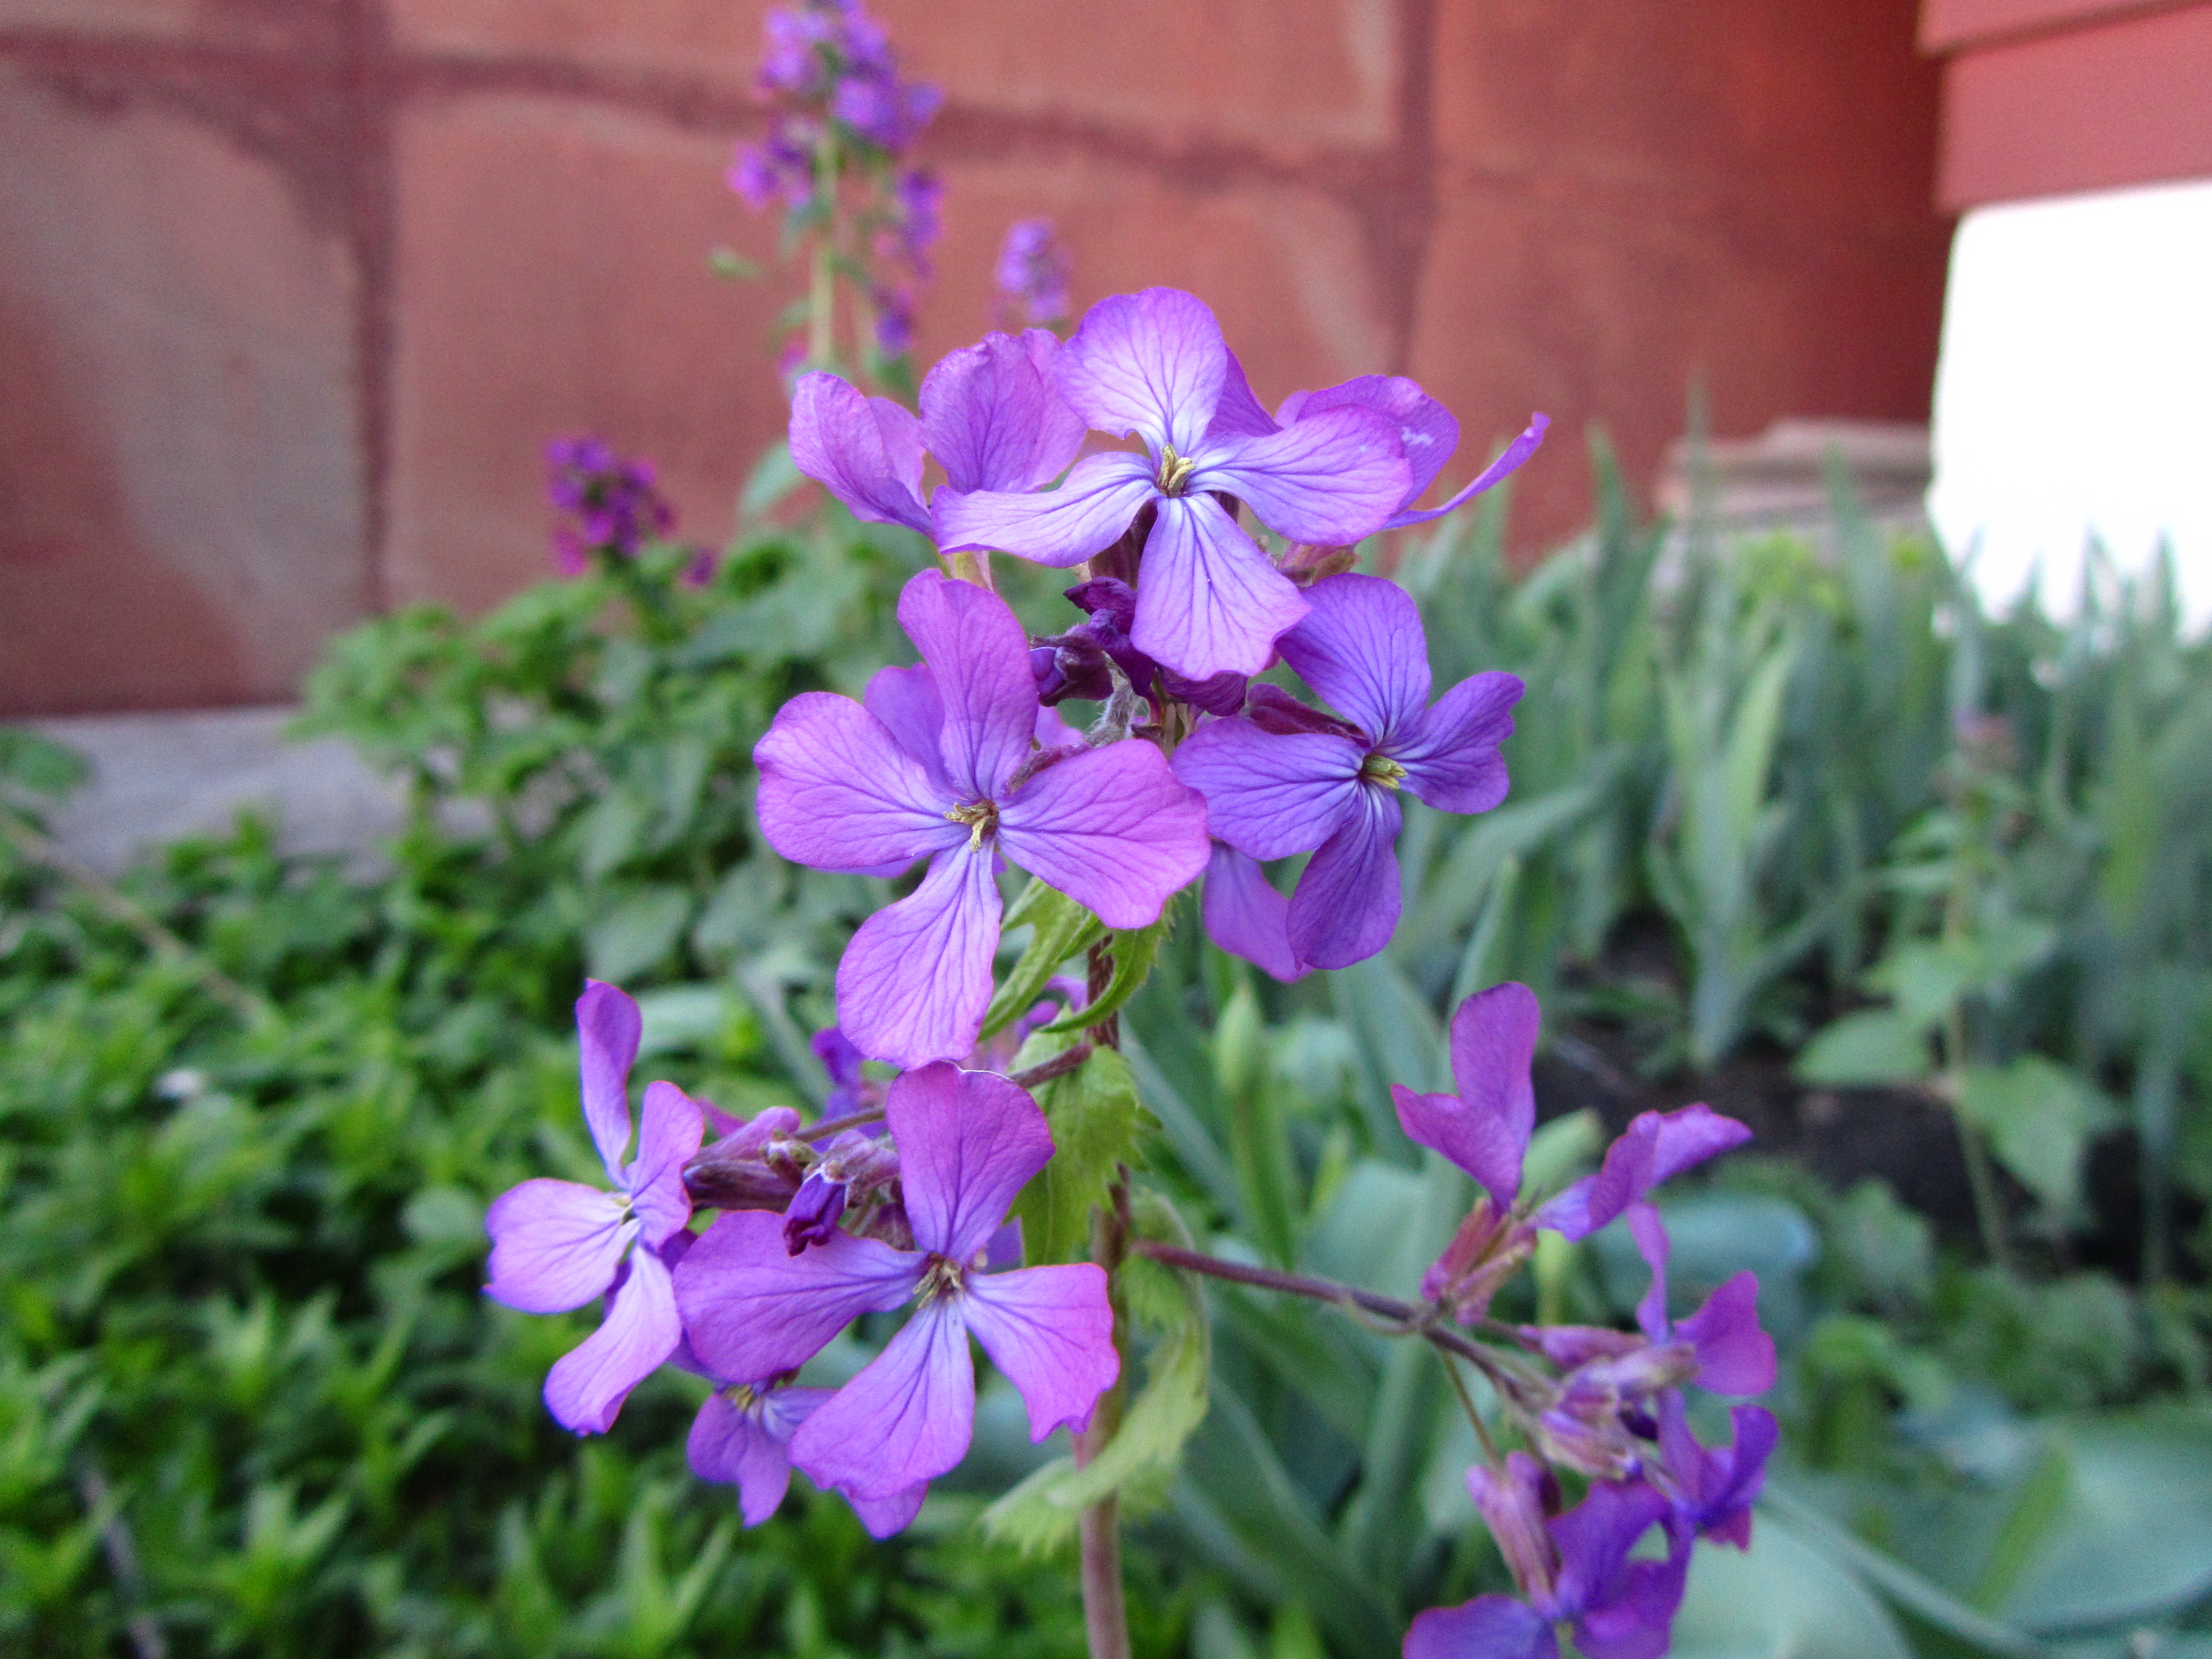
158	777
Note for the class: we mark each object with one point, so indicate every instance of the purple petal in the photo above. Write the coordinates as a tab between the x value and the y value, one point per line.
1247	917
1112	827
1426	427
1329	481
1088	513
1735	1356
1267	796
992	415
866	452
1210	602
1485	1128
882	1517
907	1417
1239	414
587	1385
905	700
751	1310
968	1141
744	1447
1649	1232
1654	1148
1151	363
837	793
556	1245
1595	1537
1636	1619
839	1058
1362	649
979	657
673	1128
1217	694
1488	1627
1050	1330
1450	756
1720	1486
916	977
1492	475
1345	907
607	1029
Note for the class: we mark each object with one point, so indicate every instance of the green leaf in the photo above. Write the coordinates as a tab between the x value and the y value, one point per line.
1064	929
1558	1151
637	933
1095	1119
1874	1046
1140	1462
1134	951
1782	1599
774	476
2038	1117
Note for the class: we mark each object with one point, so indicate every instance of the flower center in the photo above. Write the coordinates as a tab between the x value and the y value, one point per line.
942	1279
981	817
1174	471
1381	769
741	1396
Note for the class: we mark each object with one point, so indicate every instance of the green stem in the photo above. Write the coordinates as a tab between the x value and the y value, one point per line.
822	305
1098	1528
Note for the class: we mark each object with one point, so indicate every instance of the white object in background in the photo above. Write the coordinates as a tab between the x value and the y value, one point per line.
2074	396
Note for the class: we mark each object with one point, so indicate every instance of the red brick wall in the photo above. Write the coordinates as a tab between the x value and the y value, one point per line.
296	289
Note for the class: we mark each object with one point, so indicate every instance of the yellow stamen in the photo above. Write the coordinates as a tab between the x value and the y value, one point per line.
1174	471
981	817
1381	769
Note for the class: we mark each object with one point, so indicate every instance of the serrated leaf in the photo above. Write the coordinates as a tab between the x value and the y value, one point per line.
1095	1118
1138	1465
1064	928
1874	1046
1135	950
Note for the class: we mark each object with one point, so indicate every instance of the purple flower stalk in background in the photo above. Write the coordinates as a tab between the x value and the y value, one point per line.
990	414
938	762
612	506
967	1142
1574	1568
1032	275
1154	364
559	1244
1286	779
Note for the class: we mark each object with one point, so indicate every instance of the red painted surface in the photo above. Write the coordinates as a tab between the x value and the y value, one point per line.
308	282
1948	25
2125	102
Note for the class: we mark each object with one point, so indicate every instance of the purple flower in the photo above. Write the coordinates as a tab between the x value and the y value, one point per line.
742	1436
852	1166
612	506
967	1142
850	1090
1154	364
558	1244
1714	1490
1032	275
940	764
1574	1568
1330	786
888	113
780	169
1247	917
1733	1354
990	413
1483	1126
1425	427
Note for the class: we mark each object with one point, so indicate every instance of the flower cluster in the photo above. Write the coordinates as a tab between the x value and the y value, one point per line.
610	507
1614	1412
1032	276
943	775
811	1236
831	81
